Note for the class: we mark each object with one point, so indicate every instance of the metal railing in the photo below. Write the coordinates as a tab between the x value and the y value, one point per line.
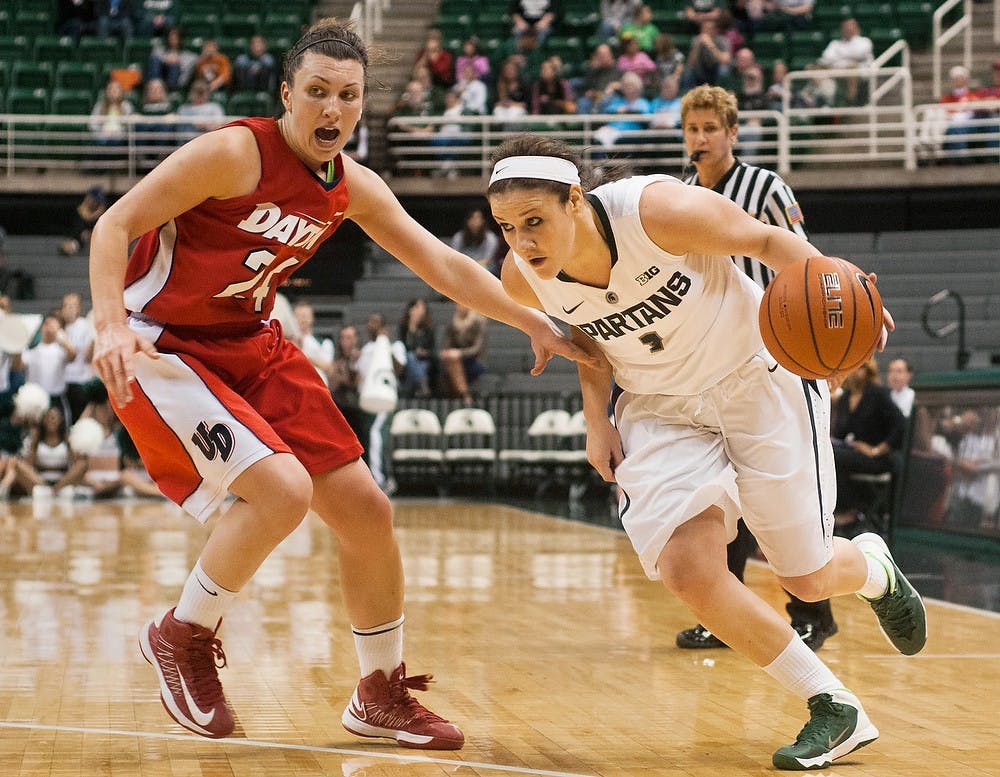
367	17
946	133
941	37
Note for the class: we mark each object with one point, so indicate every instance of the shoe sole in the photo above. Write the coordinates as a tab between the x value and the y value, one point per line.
403	738
166	697
877	539
860	738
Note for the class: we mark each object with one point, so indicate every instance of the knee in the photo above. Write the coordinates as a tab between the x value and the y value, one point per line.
687	580
287	500
808	588
365	521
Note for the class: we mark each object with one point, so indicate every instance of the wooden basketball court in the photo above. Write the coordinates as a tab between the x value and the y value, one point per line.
551	650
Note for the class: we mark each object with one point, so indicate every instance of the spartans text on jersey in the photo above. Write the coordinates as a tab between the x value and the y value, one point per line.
656	306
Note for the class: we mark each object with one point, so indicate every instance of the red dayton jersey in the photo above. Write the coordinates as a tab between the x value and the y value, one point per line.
222	261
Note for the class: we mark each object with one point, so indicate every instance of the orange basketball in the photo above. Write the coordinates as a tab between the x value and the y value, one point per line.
820	316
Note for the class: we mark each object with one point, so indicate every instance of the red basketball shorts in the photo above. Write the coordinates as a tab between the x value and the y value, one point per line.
210	407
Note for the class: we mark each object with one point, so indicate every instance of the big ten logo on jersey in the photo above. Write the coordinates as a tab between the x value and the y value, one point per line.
217	440
644	277
293	230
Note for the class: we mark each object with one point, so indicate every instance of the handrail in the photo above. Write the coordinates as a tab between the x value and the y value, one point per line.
367	17
941	38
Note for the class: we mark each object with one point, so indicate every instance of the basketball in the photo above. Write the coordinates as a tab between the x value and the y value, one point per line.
820	316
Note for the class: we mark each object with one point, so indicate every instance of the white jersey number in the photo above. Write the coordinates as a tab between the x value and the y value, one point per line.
260	285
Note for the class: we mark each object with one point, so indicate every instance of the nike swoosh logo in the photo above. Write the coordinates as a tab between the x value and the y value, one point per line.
573	308
772	369
197	715
359	711
832	743
210	593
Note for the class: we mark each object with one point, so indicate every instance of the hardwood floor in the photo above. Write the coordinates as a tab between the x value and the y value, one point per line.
549	646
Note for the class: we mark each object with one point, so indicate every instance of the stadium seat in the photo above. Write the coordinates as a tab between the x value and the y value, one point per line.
72	102
31	75
33	23
5	22
915	21
201	7
805	43
250	104
238	25
200	25
15	48
883	37
54	48
137	52
28	101
281	25
4	76
100	50
77	75
768	45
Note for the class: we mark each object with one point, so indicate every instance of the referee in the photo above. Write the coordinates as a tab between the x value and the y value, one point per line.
708	119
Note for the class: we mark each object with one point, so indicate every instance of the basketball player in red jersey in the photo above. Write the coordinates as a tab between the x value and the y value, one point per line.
218	402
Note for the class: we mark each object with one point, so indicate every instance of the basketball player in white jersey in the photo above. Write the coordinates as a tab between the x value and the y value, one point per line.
708	426
709	122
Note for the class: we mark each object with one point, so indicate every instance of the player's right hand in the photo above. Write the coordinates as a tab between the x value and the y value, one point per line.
115	346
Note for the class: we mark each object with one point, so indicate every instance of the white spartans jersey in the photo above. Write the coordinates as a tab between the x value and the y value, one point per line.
668	324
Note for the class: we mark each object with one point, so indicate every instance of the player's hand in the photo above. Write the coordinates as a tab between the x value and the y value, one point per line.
604	449
115	346
888	325
547	340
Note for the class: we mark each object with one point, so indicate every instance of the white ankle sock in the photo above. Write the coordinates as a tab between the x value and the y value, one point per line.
380	647
800	671
878	578
203	601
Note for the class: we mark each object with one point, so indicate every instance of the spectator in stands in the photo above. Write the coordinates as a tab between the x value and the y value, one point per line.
415	101
472	91
898	376
213	67
992	92
476	240
378	423
319	352
751	97
437	60
511	92
202	112
867	430
464	341
45	363
551	94
46	462
666	110
789	14
634	60
642	27
614	14
534	17
472	53
255	69
628	101
74	18
776	91
448	134
961	115
697	11
107	116
91	207
708	59
345	381
155	17
850	50
416	332
79	372
742	60
600	79
729	30
171	62
114	17
668	59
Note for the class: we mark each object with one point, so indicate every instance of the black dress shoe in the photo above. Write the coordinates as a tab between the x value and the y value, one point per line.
814	634
697	638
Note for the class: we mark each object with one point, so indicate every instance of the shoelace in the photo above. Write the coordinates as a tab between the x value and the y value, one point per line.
892	610
206	658
821	711
399	692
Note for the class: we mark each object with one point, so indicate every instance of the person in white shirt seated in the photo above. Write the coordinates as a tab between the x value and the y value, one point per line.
898	377
850	50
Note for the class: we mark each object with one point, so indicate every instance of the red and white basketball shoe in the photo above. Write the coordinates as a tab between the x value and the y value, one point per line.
383	707
187	658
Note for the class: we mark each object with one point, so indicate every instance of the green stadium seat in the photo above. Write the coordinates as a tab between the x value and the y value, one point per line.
31	75
196	7
883	37
33	23
5	22
137	52
200	25
873	15
568	47
250	104
100	50
4	76
805	43
15	48
915	21
281	25
26	101
828	16
238	25
54	48
766	45
470	7
233	47
580	24
77	75
220	97
72	102
493	24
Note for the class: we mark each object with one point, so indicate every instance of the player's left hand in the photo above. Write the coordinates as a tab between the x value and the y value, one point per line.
547	340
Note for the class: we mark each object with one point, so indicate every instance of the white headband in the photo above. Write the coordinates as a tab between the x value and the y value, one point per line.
549	168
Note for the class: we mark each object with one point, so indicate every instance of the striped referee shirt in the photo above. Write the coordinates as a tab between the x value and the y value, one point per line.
767	198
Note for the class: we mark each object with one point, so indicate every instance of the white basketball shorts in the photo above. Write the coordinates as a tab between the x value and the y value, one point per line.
756	444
